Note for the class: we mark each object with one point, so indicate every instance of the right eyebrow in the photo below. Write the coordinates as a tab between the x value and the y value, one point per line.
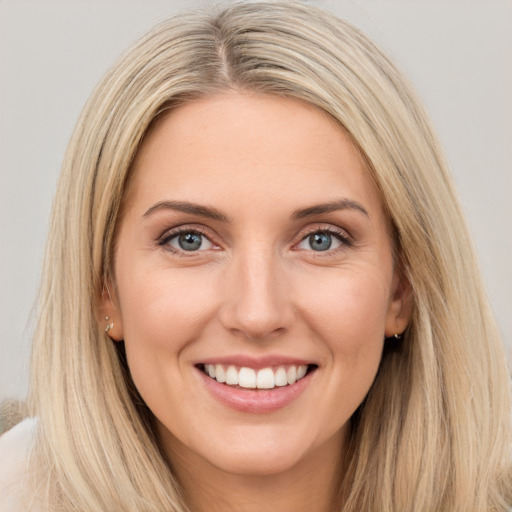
186	207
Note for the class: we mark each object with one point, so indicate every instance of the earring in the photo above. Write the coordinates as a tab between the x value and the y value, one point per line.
110	325
397	336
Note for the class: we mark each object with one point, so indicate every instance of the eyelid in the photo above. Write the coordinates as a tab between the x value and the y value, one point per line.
341	234
171	233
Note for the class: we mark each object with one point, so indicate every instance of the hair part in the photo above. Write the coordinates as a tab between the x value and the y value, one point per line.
432	434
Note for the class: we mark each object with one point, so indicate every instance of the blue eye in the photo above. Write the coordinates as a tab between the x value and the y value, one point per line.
189	241
321	241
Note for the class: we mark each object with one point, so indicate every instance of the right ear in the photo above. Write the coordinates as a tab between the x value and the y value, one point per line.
109	314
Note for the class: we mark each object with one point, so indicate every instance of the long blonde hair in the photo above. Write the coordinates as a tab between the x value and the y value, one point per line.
433	433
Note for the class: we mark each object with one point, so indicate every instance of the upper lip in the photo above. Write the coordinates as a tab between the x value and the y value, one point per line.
257	363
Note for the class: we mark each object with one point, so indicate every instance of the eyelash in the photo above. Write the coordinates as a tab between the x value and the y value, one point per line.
341	235
163	241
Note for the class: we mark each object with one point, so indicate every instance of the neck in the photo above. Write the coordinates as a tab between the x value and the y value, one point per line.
311	484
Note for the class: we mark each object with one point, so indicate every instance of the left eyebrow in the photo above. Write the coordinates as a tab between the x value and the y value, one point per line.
318	209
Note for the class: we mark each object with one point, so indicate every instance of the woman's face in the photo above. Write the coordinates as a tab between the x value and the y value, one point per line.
253	248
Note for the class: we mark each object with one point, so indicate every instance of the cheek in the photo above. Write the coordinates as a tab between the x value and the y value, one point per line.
163	308
348	301
347	313
344	310
162	313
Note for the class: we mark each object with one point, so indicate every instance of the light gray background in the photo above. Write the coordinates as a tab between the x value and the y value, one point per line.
52	53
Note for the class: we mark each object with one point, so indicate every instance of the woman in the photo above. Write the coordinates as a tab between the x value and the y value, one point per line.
259	292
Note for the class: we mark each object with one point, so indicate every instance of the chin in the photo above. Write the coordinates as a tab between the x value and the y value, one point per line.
262	462
265	452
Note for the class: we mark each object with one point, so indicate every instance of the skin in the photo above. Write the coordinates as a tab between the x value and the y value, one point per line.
256	287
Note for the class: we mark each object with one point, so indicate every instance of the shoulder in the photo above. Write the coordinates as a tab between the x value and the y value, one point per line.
15	447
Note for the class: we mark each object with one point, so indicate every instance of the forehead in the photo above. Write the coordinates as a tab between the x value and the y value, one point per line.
272	150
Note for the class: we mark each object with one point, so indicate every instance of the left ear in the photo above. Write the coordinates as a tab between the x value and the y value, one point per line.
109	317
400	305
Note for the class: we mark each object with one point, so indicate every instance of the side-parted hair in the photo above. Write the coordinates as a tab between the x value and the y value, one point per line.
433	434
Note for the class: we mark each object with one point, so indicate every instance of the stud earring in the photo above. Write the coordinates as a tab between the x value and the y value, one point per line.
110	325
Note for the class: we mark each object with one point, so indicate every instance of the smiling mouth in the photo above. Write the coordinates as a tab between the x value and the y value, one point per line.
249	378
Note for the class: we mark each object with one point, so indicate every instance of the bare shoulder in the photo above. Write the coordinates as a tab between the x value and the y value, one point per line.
15	446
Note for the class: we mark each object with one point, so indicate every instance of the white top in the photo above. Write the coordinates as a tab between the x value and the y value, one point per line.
15	446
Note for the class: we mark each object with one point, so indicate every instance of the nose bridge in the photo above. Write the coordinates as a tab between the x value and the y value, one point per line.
256	303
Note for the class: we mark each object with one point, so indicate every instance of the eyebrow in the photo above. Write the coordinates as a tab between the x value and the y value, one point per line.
332	206
213	213
186	207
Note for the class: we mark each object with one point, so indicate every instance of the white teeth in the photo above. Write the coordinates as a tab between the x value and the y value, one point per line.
266	378
220	374
247	378
291	375
280	377
301	371
232	376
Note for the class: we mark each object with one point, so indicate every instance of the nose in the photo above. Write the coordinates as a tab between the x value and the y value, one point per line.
256	303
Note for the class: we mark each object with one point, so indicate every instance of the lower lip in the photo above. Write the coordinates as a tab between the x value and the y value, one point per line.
256	401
